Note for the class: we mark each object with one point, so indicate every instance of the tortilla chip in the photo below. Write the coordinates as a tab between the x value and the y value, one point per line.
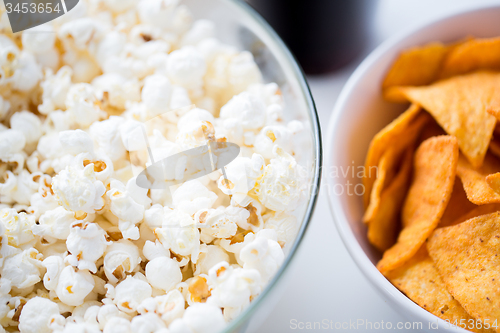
466	257
478	211
420	281
416	66
495	147
472	55
458	206
460	106
493	182
385	173
474	180
435	165
399	133
383	228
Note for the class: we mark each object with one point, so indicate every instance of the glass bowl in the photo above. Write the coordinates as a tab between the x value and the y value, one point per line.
239	25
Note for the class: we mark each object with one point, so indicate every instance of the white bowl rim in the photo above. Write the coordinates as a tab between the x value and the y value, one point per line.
381	284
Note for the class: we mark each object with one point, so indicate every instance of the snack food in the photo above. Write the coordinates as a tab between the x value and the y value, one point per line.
84	245
446	218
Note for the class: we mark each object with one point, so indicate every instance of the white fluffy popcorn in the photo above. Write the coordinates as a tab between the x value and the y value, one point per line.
263	254
23	270
186	67
121	257
282	184
82	104
178	231
233	287
27	123
55	223
73	286
17	227
119	85
36	314
86	243
248	109
129	293
193	196
55	88
78	189
163	273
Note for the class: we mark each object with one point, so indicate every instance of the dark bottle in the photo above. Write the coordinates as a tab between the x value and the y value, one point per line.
324	35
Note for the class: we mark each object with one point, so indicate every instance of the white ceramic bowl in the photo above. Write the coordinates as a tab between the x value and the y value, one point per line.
360	112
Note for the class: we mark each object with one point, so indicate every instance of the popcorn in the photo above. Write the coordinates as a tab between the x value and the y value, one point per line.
107	139
86	243
248	109
27	123
203	318
117	325
243	72
221	222
23	269
82	104
263	254
147	323
36	314
158	13
201	29
129	293
242	175
55	223
281	186
271	136
55	89
233	287
27	74
177	233
163	273
209	257
114	83
73	286
192	196
17	227
75	142
121	257
169	307
285	225
78	189
54	265
40	40
186	68
116	90
156	94
128	205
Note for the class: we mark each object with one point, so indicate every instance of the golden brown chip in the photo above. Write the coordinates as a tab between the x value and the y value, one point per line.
474	180
399	134
478	211
416	66
385	173
460	105
458	206
495	147
435	165
493	182
475	54
384	226
466	257
420	281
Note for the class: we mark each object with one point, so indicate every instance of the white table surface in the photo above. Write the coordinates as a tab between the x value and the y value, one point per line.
324	282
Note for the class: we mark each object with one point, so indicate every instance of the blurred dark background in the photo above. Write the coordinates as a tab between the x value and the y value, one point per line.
324	35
